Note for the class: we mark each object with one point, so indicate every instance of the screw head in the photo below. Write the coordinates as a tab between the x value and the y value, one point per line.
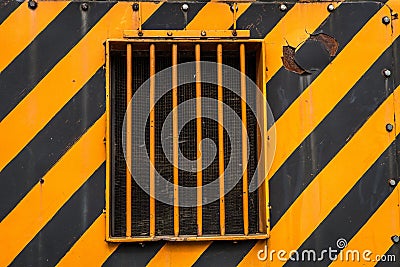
234	33
392	182
135	7
387	73
169	33
185	7
389	127
282	7
84	6
32	4
386	20
41	180
203	33
140	33
331	7
395	239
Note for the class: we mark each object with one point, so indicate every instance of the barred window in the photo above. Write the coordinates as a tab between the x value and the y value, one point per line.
185	149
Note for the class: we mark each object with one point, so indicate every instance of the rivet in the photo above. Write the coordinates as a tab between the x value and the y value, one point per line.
41	181
331	7
185	7
140	33
234	33
203	33
392	182
282	7
386	20
135	7
389	127
395	239
169	33
32	4
386	73
84	6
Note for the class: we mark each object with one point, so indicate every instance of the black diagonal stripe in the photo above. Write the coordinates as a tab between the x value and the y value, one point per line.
330	136
68	224
169	16
391	257
225	253
6	8
285	86
32	163
261	18
354	210
43	53
134	254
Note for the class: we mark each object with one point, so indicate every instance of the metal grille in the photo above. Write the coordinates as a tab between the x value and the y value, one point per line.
169	221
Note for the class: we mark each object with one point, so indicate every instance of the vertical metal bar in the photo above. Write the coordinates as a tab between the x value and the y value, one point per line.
244	138
128	140
199	148
262	143
234	15
221	142
152	141
175	135
140	16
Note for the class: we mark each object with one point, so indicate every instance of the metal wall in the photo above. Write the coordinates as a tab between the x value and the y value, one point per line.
335	155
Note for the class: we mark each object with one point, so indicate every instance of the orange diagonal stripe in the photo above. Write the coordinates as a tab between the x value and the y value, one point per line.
326	191
375	235
44	200
22	26
179	254
311	107
70	74
90	249
293	29
206	18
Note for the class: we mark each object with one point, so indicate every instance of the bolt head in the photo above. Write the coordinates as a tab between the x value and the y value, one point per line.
185	7
135	7
331	7
32	4
84	6
203	33
389	127
282	7
386	20
392	182
395	239
386	73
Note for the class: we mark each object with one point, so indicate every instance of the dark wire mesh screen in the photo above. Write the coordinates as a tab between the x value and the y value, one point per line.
140	199
118	165
211	211
164	212
187	144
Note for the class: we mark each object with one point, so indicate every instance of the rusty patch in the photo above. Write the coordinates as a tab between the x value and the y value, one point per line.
288	60
289	53
329	42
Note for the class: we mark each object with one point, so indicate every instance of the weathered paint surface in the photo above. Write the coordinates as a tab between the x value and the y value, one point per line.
334	156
